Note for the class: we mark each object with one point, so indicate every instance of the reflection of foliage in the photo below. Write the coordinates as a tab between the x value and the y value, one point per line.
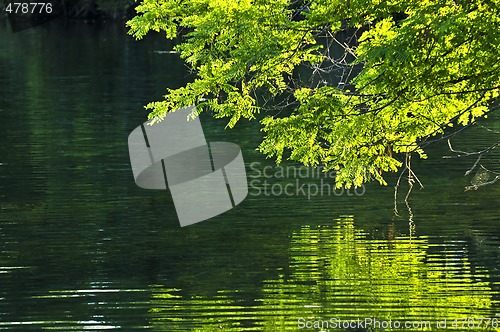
367	271
337	271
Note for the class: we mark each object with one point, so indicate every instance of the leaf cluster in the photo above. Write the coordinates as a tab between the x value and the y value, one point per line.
424	67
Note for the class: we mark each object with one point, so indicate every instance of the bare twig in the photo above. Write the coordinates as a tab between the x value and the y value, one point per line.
396	187
488	129
477	186
467	154
412	178
473	166
479	155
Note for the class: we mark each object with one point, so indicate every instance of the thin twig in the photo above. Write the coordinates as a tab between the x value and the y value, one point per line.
477	186
412	178
396	187
466	154
473	166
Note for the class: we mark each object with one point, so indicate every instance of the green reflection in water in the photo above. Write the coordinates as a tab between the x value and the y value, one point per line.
338	271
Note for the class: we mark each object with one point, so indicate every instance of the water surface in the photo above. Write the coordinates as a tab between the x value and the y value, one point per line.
83	248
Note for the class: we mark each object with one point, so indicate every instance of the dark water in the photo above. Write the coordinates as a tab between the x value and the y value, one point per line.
83	248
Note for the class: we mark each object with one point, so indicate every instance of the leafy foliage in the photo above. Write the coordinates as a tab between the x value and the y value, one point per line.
408	71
